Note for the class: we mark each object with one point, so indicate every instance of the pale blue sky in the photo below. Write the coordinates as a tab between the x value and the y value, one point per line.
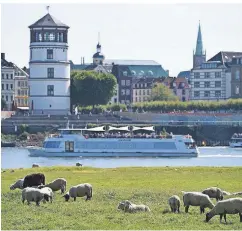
164	33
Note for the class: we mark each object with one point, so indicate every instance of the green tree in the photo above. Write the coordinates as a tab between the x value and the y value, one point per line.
3	104
91	87
160	92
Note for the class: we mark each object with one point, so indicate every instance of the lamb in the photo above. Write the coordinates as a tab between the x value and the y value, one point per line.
214	192
174	202
80	190
34	194
121	204
49	192
55	185
18	184
229	206
197	199
132	208
34	179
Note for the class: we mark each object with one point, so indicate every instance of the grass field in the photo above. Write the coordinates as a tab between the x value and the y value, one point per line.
150	186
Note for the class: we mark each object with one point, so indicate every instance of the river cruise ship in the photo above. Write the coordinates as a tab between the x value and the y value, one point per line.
115	142
236	141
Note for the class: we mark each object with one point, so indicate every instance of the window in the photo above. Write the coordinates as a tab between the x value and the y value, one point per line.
196	75
22	84
2	86
6	98
217	93
11	86
139	92
135	92
2	96
148	92
26	84
38	36
18	83
143	92
206	93
196	84
217	83
60	37
11	98
50	72
2	76
123	82
6	76
237	90
52	36
217	74
207	74
11	76
206	84
127	92
127	82
18	92
50	90
6	86
145	85
123	92
183	92
141	85
196	93
49	54
237	74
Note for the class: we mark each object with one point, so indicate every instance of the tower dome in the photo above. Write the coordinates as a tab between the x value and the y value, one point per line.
98	57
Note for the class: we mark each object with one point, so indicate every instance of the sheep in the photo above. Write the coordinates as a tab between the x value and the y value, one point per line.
18	184
34	194
174	202
78	164
35	166
49	192
55	185
34	179
132	208
197	199
121	204
80	190
214	192
226	193
229	206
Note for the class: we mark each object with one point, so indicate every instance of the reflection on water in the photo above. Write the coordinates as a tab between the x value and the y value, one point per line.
209	156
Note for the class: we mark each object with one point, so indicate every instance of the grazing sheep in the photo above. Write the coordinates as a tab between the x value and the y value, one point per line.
174	202
18	184
57	184
229	206
132	208
34	194
49	192
226	193
121	204
237	193
35	166
80	190
197	199
78	164
34	179
214	192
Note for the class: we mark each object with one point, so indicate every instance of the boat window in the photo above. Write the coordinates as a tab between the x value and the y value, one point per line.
52	144
165	145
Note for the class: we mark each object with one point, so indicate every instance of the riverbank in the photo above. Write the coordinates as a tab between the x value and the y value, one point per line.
151	186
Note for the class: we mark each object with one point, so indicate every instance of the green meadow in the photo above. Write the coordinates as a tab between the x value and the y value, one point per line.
150	186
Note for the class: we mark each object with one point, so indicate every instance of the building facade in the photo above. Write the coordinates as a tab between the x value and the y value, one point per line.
14	84
49	67
236	77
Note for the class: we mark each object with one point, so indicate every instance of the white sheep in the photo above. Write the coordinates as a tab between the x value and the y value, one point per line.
80	190
132	208
49	192
57	184
197	199
18	184
33	194
174	202
229	206
121	204
225	193
214	192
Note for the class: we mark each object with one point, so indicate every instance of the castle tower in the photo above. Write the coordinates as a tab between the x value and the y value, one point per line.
199	56
49	78
98	57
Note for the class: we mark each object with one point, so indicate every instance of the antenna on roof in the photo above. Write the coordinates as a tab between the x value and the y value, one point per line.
47	8
99	37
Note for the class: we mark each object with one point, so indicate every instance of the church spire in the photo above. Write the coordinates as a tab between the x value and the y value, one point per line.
199	45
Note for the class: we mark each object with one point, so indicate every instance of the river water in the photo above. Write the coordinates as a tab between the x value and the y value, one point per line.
209	156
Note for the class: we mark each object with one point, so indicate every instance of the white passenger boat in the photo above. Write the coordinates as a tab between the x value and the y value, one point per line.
97	142
236	141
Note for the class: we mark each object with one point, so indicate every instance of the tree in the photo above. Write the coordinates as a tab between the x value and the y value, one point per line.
91	87
3	104
162	93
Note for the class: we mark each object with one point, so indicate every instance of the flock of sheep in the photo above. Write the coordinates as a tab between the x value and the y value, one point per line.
34	189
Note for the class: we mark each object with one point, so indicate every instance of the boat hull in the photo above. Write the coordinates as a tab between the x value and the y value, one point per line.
235	145
43	153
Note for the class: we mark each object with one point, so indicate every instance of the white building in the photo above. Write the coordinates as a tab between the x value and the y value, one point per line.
14	84
49	79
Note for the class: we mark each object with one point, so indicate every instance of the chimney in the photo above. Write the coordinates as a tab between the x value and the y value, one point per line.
83	61
2	55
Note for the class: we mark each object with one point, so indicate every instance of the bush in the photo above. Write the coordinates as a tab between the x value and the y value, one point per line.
101	108
23	136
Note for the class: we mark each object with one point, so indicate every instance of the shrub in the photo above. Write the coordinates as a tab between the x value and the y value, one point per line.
23	136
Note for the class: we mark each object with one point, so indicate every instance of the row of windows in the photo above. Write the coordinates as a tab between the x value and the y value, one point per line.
49	36
22	92
125	92
22	84
140	85
7	86
207	84
125	101
139	99
7	76
7	98
197	75
145	92
21	102
125	82
207	93
52	144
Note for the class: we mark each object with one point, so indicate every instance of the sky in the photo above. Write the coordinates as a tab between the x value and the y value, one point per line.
165	33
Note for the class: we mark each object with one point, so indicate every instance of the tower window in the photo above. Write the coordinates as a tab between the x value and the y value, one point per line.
50	72
49	54
46	36
50	90
38	36
52	36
